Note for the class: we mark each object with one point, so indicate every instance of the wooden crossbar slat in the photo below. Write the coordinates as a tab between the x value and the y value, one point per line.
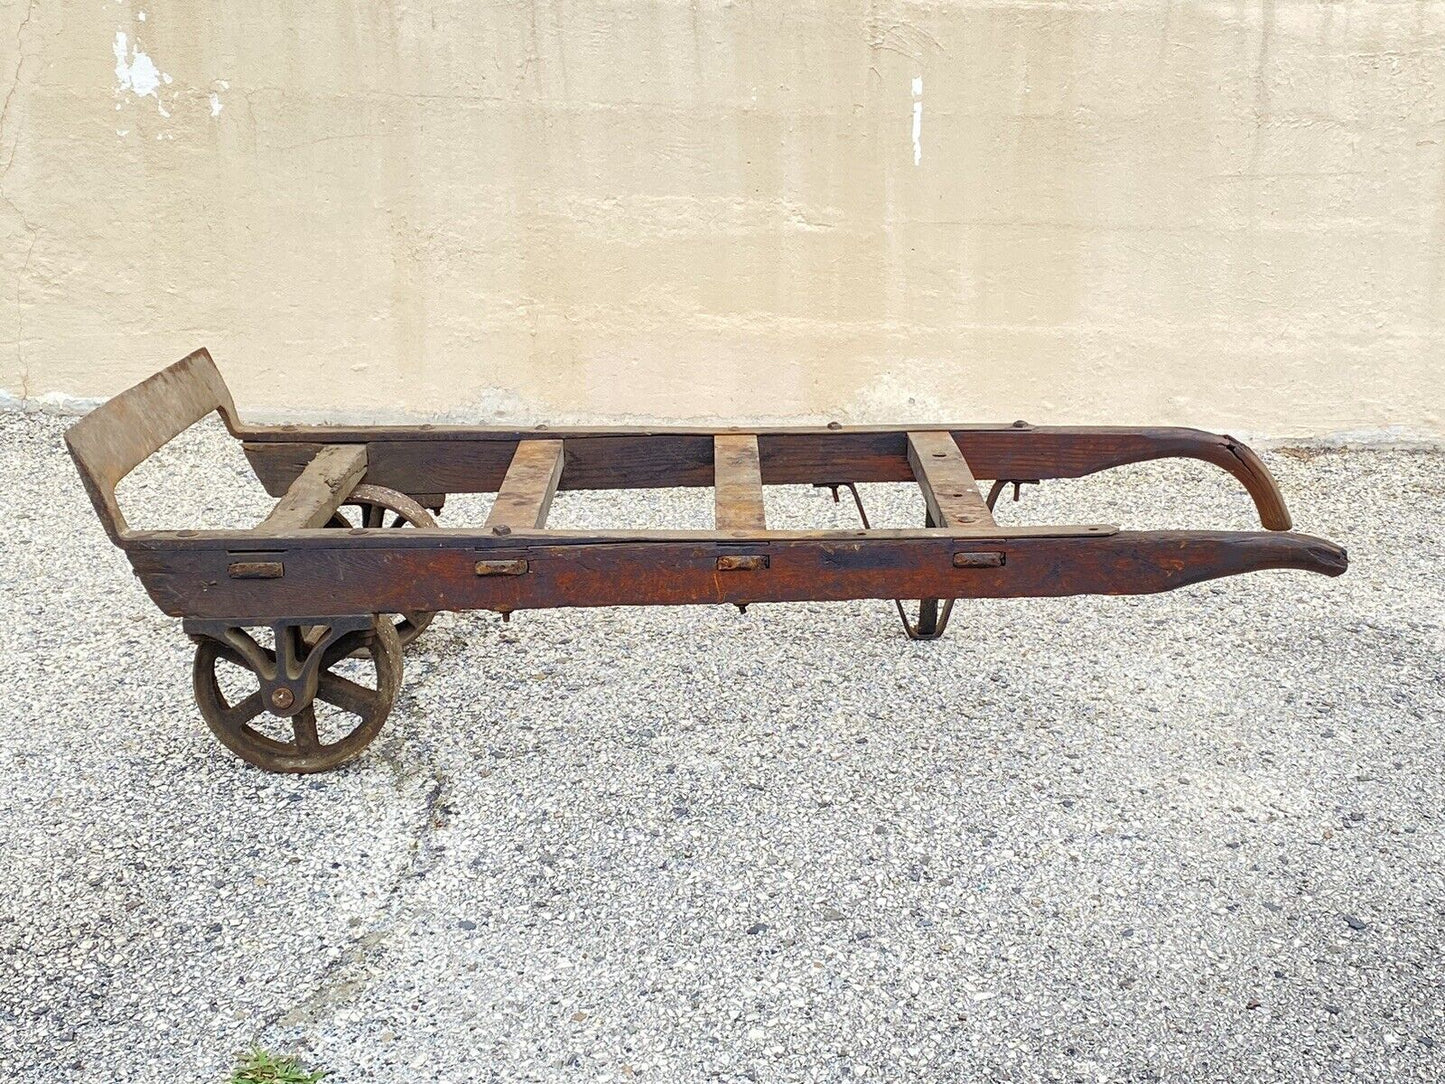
527	490
949	488
737	483
318	492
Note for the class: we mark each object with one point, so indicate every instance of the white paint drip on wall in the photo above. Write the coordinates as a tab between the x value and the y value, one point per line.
138	74
918	120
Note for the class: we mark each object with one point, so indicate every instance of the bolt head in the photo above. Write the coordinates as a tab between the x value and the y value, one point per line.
283	698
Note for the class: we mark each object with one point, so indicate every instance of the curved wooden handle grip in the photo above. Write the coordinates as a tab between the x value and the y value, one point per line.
115	437
1241	461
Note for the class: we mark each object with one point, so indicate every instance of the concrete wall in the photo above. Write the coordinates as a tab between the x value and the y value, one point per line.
1230	214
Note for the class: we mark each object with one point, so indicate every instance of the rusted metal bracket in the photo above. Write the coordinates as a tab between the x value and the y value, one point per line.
515	567
1002	483
933	618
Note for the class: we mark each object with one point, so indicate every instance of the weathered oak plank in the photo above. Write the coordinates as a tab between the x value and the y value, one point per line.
949	488
115	437
529	486
312	499
737	483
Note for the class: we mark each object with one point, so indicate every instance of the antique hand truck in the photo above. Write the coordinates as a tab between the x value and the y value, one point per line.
338	597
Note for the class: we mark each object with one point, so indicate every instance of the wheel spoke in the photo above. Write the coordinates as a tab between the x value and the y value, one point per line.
350	643
304	724
375	514
242	712
346	694
304	750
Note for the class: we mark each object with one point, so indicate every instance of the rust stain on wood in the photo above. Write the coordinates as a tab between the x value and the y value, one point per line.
256	570
501	568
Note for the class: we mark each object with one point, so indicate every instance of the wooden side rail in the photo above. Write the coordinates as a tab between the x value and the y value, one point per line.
116	437
458	460
320	490
406	571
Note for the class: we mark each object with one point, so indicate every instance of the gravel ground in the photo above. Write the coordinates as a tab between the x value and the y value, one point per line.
1194	836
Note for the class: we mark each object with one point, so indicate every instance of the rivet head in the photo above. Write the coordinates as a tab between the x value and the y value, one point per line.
1021	424
835	425
283	698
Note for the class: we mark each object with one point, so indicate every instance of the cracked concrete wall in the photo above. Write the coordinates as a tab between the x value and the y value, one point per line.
1229	214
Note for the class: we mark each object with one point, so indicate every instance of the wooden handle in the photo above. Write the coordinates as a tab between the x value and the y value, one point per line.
117	436
1239	459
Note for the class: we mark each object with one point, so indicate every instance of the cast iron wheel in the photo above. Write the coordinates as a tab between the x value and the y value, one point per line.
377	506
353	711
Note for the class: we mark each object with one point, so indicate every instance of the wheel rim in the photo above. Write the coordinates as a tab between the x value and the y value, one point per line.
354	712
379	507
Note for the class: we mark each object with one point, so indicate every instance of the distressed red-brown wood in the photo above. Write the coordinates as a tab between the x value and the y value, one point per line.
444	576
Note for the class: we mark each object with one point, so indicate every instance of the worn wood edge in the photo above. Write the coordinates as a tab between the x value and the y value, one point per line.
319	491
737	483
1259	482
350	434
949	488
120	434
472	537
526	493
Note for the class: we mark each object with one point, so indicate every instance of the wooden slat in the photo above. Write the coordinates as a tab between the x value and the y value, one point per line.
327	481
529	486
737	482
949	488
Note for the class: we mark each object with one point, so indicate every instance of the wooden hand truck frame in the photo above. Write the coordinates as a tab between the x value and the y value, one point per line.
334	589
